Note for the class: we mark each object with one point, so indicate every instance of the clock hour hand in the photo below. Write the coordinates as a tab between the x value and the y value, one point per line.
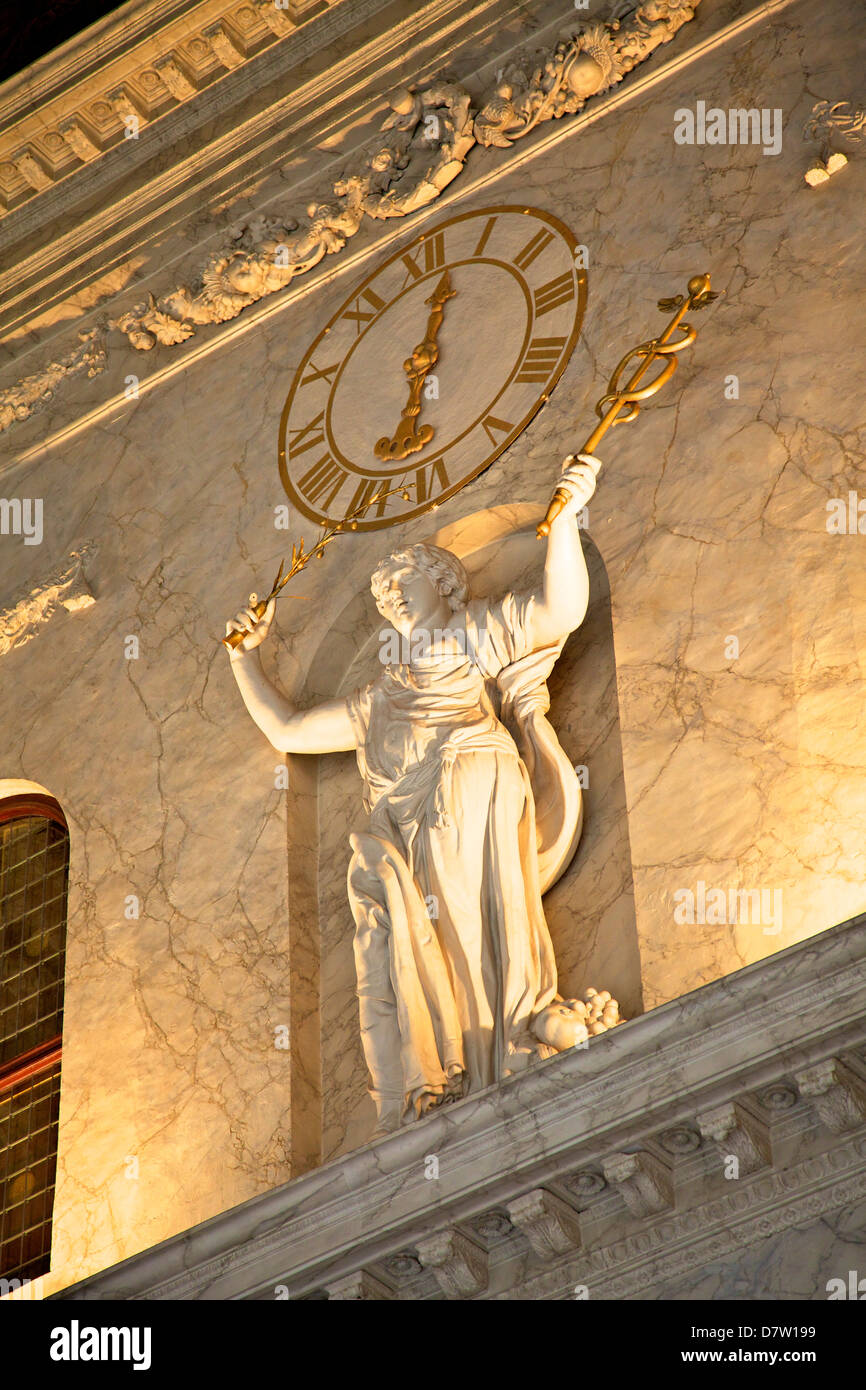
408	438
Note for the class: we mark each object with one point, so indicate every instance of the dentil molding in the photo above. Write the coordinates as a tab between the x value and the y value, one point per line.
69	109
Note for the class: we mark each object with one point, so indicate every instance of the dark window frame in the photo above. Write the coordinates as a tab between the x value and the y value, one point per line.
33	1076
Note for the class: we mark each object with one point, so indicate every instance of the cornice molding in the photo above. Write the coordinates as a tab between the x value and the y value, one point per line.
564	1129
173	119
67	112
430	132
306	105
83	54
479	177
685	1243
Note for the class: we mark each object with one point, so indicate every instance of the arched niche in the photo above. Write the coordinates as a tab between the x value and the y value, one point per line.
590	910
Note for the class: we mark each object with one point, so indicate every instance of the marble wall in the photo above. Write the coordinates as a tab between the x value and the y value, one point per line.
741	772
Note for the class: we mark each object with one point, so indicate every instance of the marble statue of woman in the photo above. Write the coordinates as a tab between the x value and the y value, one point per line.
474	811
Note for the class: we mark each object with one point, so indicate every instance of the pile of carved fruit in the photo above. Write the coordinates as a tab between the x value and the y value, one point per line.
597	1010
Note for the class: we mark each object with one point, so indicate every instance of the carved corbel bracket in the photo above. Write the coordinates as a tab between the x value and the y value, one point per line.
359	1287
643	1181
458	1264
738	1134
837	1093
550	1225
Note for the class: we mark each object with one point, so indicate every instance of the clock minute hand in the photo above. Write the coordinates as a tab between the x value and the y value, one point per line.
407	438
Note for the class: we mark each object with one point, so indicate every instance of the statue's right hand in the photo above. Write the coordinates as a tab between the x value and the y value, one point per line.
256	629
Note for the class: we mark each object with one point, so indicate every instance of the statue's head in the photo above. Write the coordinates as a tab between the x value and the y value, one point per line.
412	586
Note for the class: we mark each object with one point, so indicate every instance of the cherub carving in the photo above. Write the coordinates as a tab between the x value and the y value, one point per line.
432	137
265	255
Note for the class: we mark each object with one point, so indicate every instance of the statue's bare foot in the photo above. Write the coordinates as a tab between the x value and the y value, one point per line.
454	1088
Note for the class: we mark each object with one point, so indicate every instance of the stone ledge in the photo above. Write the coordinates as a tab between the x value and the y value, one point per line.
728	1041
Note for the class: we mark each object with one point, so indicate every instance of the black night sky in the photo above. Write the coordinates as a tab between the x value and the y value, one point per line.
29	31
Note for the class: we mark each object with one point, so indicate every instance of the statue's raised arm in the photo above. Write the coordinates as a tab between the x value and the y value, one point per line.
561	603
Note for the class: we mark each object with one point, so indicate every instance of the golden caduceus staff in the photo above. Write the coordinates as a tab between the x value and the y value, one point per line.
612	406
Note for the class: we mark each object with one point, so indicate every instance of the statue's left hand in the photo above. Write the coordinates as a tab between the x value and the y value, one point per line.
579	473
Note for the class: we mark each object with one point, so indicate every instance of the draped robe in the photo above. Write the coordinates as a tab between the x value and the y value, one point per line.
474	812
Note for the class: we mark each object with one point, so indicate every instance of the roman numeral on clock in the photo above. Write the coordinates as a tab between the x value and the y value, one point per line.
554	293
491	423
318	372
364	316
433	250
541	357
321	483
425	477
366	489
533	248
308	436
483	239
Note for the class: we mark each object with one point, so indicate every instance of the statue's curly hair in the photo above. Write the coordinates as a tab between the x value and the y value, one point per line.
442	568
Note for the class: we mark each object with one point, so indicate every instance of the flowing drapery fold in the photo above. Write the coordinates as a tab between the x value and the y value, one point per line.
474	812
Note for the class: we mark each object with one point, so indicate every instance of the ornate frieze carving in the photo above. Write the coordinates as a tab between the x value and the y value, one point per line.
428	135
422	149
549	84
19	402
66	588
827	123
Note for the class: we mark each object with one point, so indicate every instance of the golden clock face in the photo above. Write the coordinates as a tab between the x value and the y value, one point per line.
432	367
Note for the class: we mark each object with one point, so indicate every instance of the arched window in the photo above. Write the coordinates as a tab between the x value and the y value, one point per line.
34	870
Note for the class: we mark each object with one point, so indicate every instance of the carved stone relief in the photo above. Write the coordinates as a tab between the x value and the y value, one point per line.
828	121
428	135
67	588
